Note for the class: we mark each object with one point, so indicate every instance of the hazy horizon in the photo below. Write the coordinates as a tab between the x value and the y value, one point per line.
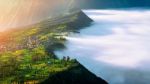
17	13
100	4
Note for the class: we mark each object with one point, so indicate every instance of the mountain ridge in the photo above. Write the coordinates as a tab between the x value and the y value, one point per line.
26	48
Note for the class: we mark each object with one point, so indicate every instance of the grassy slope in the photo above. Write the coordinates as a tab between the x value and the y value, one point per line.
26	54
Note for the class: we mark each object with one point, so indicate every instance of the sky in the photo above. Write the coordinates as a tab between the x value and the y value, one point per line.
96	4
16	13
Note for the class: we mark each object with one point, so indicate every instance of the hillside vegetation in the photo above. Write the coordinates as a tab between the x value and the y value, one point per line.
26	54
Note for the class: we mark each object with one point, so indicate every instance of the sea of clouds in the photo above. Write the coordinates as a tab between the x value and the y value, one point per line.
116	47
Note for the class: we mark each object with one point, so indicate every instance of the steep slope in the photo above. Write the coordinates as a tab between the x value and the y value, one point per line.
26	54
74	75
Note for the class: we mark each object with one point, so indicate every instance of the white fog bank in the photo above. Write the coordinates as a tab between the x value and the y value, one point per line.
116	47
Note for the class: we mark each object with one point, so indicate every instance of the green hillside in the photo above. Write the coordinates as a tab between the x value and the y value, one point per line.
26	54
